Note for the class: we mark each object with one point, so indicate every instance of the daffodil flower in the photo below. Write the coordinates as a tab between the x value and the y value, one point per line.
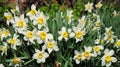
16	62
43	36
95	16
109	31
69	16
51	45
82	22
117	43
40	20
78	57
20	24
97	49
79	33
98	5
30	36
9	17
40	56
108	58
109	38
32	12
87	53
14	41
5	33
63	34
89	7
4	48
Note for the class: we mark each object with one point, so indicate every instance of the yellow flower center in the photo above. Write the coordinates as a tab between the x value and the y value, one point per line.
41	20
8	17
79	56
108	58
89	6
98	24
16	60
98	5
3	49
0	34
32	12
118	43
81	20
50	45
30	34
79	34
68	17
110	32
96	48
43	35
6	32
12	41
20	23
40	55
110	38
87	54
65	34
95	17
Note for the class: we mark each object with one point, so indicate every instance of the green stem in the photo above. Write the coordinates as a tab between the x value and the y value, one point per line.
29	61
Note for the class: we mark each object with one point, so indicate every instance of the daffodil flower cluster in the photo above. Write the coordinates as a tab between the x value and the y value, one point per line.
36	36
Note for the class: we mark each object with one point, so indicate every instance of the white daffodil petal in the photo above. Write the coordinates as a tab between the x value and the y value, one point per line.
108	64
77	61
114	59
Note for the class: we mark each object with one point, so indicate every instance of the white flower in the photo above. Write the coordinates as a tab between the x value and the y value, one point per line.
51	45
69	16
4	48
5	33
16	62
32	12
89	7
97	49
97	24
40	56
40	20
78	57
109	31
98	5
115	13
117	44
95	16
20	23
43	36
79	33
81	21
8	17
107	59
63	34
87	54
1	65
14	41
30	36
109	38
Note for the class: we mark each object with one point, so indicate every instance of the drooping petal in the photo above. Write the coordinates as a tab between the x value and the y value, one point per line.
114	59
77	61
108	64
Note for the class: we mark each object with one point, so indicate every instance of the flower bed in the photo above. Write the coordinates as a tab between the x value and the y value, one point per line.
36	39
